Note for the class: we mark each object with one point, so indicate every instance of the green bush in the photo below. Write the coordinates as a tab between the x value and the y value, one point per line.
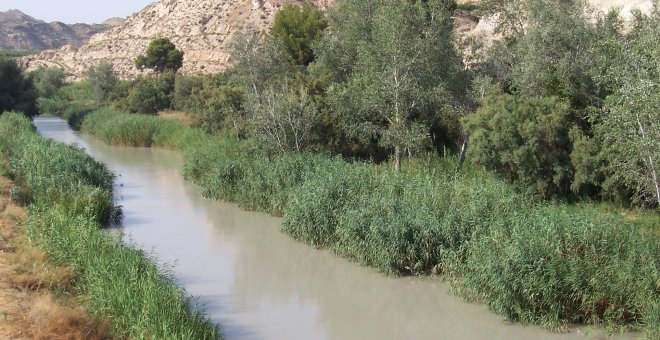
523	139
17	91
147	95
296	29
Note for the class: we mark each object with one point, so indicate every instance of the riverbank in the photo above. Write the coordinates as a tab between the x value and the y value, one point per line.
543	263
69	196
36	297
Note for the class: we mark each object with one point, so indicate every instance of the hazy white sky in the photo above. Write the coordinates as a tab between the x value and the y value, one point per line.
75	11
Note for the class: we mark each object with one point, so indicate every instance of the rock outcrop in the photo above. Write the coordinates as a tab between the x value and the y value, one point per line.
21	32
203	29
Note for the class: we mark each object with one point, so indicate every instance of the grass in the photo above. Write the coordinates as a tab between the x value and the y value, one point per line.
70	197
544	263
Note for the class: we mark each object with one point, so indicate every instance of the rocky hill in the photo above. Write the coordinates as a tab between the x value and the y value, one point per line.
21	32
201	28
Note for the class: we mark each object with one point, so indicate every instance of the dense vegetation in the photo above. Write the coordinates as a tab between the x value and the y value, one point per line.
558	120
70	196
384	80
17	91
535	262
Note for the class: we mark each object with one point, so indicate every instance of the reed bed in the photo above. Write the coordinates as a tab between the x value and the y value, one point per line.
544	263
70	196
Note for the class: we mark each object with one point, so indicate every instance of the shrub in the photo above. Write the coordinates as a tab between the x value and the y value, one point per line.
524	140
148	95
17	92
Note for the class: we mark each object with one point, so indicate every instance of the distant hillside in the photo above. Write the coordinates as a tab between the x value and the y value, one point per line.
21	32
201	28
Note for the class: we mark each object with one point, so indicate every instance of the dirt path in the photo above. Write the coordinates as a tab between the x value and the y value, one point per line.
29	284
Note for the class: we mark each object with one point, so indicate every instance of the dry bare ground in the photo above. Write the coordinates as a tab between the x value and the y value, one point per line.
35	299
176	115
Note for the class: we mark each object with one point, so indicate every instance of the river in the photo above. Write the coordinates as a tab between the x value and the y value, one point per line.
260	284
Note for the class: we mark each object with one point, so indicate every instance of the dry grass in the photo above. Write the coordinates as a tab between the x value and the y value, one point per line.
28	280
176	115
54	320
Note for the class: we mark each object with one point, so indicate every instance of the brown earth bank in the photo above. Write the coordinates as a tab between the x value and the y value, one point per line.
36	296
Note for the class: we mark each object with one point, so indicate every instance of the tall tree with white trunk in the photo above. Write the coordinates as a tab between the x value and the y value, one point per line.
397	70
631	123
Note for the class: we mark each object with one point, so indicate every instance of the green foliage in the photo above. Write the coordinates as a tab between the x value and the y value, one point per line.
296	29
542	263
554	265
546	51
121	128
630	123
15	54
397	67
258	64
17	92
70	194
184	88
468	6
71	102
284	119
161	56
214	104
47	81
523	139
103	81
147	95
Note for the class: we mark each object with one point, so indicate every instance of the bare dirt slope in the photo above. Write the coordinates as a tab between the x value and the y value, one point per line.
203	29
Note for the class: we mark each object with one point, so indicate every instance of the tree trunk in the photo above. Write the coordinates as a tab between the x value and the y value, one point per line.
397	158
656	181
464	147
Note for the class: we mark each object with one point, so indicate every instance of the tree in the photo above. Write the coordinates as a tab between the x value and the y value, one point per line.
148	95
523	139
630	123
17	92
284	119
295	29
397	68
161	55
546	50
47	81
103	81
258	64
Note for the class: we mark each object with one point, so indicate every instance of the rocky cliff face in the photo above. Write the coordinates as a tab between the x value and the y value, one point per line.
203	29
21	32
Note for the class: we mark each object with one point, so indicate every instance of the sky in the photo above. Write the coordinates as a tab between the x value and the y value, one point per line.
75	11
